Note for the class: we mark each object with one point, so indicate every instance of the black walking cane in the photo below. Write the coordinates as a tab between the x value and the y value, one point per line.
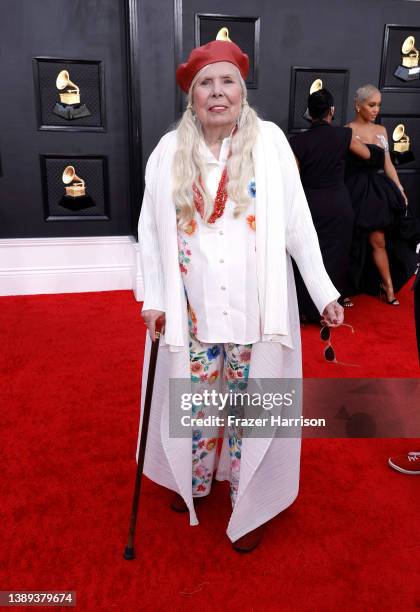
129	552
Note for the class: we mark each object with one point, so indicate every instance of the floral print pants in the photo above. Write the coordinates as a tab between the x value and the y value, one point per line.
210	364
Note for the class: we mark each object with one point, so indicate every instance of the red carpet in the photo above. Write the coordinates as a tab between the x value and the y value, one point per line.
383	343
70	371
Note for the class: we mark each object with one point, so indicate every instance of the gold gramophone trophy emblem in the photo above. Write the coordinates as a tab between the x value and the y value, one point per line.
316	86
402	153
69	106
75	197
75	185
409	70
401	139
223	34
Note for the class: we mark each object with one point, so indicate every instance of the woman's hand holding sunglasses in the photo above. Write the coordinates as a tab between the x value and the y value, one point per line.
333	315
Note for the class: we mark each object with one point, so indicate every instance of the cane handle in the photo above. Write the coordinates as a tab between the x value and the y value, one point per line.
159	325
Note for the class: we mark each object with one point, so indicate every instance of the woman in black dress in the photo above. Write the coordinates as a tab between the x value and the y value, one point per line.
381	257
321	153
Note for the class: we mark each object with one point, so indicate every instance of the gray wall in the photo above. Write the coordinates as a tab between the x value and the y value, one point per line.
157	73
80	29
325	34
335	34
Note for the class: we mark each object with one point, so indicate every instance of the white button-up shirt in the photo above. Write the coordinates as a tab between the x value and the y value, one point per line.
219	267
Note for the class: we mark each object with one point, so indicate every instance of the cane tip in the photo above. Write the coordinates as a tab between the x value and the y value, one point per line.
129	553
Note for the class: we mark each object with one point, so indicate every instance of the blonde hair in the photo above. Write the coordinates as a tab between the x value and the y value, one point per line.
365	92
188	165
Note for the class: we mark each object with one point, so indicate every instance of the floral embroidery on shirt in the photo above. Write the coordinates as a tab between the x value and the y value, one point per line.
191	227
251	221
184	254
252	190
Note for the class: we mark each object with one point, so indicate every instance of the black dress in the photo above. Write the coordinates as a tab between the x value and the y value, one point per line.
379	205
322	152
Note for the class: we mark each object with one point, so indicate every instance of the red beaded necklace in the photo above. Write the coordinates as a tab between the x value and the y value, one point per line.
219	201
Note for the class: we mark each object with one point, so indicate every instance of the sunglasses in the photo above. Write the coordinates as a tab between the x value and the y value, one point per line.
329	352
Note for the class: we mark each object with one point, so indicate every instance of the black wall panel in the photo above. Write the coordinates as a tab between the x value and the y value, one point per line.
95	201
412	130
245	31
335	80
88	77
394	38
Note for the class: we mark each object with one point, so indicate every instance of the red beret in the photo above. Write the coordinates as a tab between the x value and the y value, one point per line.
214	51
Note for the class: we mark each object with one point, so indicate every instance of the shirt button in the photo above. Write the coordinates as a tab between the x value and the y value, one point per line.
223	288
222	260
225	312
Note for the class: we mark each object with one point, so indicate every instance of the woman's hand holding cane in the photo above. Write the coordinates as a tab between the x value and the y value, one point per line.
150	317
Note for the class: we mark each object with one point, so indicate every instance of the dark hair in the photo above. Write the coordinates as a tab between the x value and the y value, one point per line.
319	103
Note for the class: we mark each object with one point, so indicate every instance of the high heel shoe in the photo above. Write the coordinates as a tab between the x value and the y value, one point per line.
382	294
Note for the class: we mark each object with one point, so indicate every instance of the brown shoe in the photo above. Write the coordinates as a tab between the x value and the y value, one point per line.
178	504
249	541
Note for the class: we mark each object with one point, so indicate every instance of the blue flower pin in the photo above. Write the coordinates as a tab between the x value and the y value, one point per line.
252	189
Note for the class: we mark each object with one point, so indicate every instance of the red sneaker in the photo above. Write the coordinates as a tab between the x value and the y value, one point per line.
407	464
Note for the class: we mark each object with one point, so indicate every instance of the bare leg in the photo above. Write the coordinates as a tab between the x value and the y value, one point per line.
380	257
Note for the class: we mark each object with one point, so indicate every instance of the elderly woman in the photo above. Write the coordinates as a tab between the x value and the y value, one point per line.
223	210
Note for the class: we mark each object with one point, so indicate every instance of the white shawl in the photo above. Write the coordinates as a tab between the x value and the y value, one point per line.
284	223
269	466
